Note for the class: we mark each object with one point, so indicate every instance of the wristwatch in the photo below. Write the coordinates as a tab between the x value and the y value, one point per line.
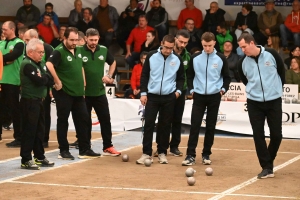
109	76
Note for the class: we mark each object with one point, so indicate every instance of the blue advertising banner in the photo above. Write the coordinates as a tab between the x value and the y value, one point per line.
258	2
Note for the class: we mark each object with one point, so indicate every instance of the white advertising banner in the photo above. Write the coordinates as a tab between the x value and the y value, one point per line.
173	7
233	117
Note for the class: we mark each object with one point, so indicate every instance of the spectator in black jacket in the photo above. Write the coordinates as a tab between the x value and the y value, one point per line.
232	60
213	17
246	20
195	35
88	21
157	17
127	21
151	43
75	14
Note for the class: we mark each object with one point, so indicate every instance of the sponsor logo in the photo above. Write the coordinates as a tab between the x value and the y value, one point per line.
69	58
85	59
172	63
185	62
268	63
101	57
45	68
215	65
79	56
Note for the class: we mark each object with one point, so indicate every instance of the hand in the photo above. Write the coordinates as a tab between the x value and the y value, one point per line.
107	80
19	25
239	27
143	100
124	15
192	95
128	54
222	92
135	91
51	22
58	86
39	74
177	94
244	27
50	94
131	14
268	32
110	30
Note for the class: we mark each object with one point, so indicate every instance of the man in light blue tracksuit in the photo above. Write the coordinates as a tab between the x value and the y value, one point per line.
162	81
262	71
208	79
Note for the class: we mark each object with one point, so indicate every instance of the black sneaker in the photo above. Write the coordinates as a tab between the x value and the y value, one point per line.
30	165
206	160
65	155
189	160
89	154
43	163
175	152
266	173
14	144
45	144
74	144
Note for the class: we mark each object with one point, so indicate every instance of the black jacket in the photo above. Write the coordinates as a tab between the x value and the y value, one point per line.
83	26
212	20
128	23
232	61
157	17
250	20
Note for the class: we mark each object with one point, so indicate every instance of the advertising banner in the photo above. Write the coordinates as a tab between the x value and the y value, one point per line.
258	2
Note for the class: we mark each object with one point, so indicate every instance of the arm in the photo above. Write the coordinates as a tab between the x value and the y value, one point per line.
48	51
275	28
133	79
32	73
145	76
54	29
54	60
164	21
15	54
260	23
180	78
288	77
83	74
115	19
112	68
240	71
180	23
36	17
225	74
191	74
279	63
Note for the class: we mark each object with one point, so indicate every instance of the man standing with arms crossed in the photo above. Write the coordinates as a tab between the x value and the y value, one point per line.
161	84
65	65
181	40
208	79
94	57
263	73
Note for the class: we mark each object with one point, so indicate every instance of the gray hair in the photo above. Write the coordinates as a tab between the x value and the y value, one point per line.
32	44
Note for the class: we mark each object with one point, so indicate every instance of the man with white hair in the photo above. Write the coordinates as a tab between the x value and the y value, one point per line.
34	83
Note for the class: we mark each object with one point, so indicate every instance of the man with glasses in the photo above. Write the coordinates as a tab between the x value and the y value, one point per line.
162	81
181	40
65	65
190	12
34	83
195	35
13	52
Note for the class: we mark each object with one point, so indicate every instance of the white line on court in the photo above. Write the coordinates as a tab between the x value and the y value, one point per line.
147	190
56	167
252	180
54	150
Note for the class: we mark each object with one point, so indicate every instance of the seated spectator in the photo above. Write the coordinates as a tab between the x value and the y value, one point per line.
22	31
81	39
88	21
158	18
108	21
268	23
190	12
60	39
27	15
273	42
292	76
224	35
47	29
134	91
246	20
151	43
213	17
195	35
49	11
127	21
291	27
138	37
232	60
76	13
294	52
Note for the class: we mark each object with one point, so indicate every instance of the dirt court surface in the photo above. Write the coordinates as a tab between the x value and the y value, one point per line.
234	163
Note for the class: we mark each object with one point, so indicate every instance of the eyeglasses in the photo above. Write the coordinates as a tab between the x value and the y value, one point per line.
168	48
40	52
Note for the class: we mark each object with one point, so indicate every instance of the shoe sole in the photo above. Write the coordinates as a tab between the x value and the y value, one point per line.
13	146
206	162
187	164
268	176
142	163
29	168
109	154
46	165
163	162
59	157
173	154
88	157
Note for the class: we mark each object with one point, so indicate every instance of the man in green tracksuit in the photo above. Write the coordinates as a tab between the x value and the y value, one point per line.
65	65
94	57
13	52
34	82
181	41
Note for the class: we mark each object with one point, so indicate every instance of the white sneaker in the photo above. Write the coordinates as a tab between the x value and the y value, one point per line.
162	159
143	158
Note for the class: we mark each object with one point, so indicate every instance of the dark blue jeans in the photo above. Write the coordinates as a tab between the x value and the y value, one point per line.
201	104
258	112
164	104
100	105
286	34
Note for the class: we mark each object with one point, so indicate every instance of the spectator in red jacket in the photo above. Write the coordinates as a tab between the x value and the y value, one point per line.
190	12
138	37
291	27
134	91
47	29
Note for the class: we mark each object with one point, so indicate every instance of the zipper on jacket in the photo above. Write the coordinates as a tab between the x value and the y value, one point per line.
162	78
261	83
206	75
